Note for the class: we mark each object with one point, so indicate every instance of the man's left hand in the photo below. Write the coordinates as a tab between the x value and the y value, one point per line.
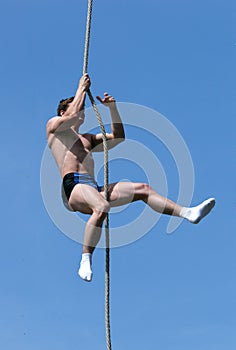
108	100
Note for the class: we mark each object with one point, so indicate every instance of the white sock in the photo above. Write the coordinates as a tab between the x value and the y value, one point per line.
196	214
85	271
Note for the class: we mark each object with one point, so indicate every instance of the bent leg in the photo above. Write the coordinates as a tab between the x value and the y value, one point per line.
88	200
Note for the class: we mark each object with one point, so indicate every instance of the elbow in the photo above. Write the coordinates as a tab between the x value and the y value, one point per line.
120	135
115	140
120	138
123	136
117	137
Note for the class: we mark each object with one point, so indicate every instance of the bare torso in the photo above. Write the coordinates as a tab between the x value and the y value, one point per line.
72	151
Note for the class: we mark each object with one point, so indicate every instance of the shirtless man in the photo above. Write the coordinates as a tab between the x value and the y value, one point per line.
73	154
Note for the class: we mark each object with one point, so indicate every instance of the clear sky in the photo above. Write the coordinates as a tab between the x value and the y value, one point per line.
168	292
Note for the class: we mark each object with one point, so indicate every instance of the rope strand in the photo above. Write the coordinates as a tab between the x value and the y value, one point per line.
106	179
87	36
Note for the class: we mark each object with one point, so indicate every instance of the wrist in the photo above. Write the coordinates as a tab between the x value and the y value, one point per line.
83	90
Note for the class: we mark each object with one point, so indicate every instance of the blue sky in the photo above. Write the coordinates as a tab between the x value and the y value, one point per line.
168	292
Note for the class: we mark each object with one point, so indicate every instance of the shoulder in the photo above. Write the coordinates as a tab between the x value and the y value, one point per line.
52	120
50	126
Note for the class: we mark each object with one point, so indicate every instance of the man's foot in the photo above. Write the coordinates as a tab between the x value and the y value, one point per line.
196	214
85	271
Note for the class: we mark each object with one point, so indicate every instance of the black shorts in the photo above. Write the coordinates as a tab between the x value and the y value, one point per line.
72	179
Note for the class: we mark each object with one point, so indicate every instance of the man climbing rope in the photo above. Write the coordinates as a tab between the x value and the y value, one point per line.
73	154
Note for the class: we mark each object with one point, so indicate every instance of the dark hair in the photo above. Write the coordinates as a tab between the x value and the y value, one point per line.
63	104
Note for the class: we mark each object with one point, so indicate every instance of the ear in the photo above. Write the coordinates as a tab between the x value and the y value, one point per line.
62	112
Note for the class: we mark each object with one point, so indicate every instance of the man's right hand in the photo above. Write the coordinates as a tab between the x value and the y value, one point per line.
85	82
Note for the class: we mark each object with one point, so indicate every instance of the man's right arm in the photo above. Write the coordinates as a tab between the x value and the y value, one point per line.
77	105
73	111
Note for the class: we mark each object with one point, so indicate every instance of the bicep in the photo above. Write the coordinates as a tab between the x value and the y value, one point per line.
97	142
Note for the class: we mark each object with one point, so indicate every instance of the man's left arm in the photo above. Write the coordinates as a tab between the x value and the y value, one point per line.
118	134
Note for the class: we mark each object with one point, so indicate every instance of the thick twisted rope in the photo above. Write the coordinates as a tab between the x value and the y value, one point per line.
106	179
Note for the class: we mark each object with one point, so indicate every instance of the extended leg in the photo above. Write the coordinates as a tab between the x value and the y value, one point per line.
126	192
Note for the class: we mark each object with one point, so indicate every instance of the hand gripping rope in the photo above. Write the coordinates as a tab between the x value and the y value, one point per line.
106	174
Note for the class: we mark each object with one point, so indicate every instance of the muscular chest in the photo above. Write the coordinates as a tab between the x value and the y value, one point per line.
82	143
82	146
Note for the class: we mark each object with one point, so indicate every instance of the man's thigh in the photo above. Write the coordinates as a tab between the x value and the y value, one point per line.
85	198
121	193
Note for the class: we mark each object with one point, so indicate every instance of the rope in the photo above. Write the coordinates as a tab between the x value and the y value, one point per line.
106	175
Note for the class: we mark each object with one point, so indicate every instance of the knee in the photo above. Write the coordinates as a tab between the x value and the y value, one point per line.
101	210
146	189
143	191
